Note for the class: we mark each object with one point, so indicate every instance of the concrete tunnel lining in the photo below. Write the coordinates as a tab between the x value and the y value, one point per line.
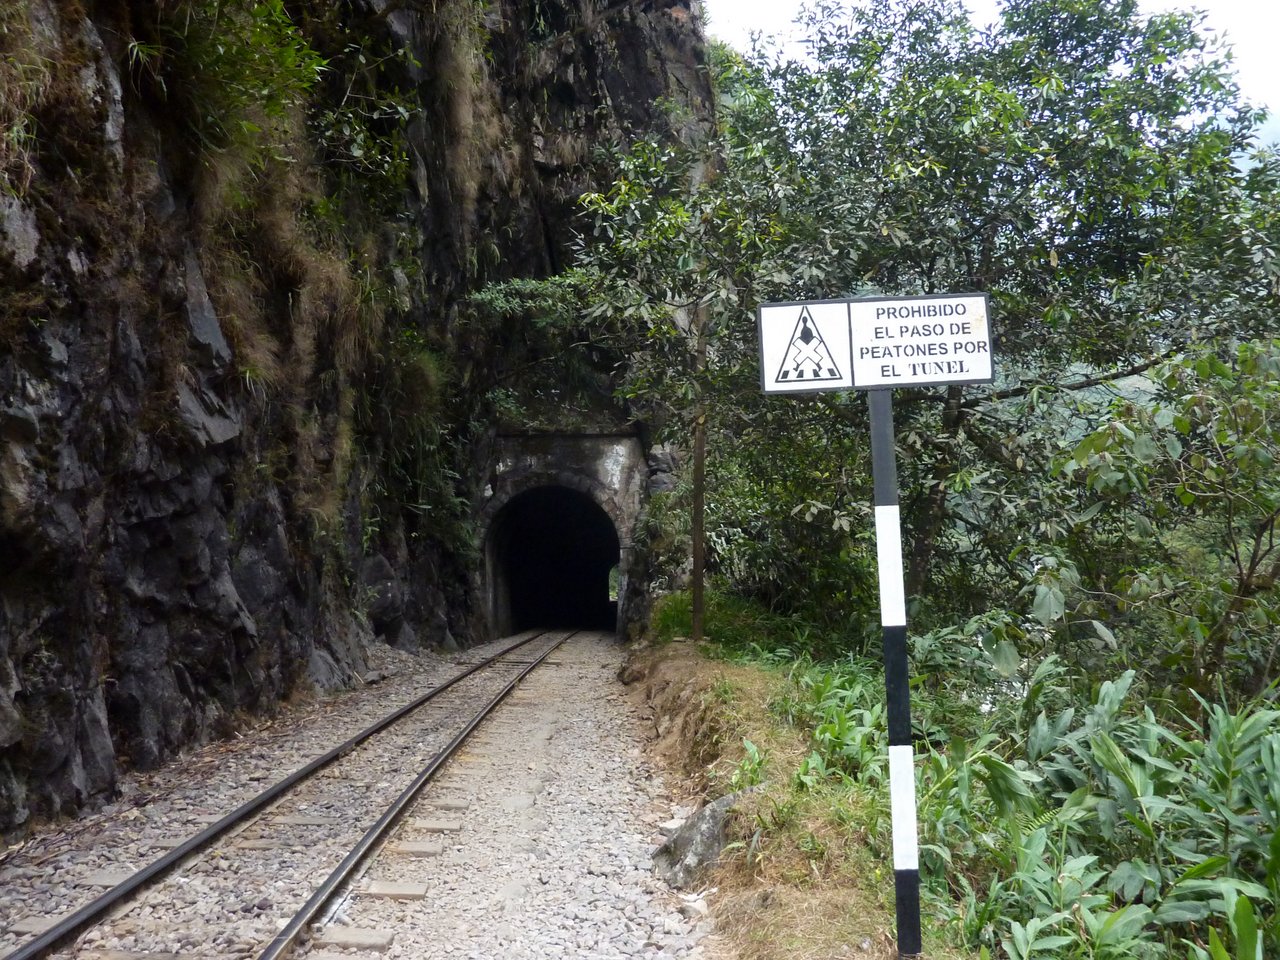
549	553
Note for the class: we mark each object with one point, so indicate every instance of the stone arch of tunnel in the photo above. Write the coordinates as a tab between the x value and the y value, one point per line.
551	548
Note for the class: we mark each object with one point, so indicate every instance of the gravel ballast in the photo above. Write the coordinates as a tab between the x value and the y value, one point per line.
548	816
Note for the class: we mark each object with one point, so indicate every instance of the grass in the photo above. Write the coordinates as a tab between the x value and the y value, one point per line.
740	629
780	921
25	81
801	877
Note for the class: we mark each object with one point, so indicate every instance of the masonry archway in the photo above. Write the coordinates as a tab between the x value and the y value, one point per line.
586	493
549	552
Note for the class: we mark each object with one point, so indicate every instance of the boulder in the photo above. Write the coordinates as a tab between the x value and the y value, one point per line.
695	844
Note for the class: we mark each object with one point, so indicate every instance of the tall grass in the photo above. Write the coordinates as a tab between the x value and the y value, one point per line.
741	629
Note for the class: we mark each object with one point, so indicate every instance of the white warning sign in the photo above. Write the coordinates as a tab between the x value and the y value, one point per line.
921	341
805	347
870	344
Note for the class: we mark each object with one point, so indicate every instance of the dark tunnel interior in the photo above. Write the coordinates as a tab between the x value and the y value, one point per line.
553	550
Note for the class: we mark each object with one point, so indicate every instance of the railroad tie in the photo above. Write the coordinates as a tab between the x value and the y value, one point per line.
417	848
104	878
303	821
451	803
355	938
390	890
436	826
34	925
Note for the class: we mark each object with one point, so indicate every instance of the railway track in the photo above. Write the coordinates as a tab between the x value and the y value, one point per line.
251	883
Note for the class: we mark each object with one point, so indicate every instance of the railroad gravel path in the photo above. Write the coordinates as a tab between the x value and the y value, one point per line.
551	858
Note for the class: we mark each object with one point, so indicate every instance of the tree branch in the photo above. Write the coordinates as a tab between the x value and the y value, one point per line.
1025	389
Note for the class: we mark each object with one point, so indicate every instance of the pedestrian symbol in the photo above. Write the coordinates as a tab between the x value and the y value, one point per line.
805	347
807	357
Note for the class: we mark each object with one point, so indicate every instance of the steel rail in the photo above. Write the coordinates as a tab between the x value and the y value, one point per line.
86	916
286	938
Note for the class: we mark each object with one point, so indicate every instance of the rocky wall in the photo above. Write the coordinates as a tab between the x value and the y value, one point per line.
183	539
154	582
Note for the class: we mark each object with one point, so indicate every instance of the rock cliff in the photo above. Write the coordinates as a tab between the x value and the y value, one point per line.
233	368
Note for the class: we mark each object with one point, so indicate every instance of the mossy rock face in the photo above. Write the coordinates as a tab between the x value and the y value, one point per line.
198	442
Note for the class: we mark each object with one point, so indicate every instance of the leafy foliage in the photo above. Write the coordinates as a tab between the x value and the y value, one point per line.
1078	163
1190	469
1107	509
234	69
1053	829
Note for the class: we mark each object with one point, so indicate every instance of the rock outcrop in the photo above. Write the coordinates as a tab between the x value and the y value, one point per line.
193	519
697	843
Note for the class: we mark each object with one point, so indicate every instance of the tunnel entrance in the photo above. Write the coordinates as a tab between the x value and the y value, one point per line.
550	553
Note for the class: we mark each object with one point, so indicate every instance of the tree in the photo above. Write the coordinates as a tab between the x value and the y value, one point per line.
673	281
1078	162
1068	163
1192	470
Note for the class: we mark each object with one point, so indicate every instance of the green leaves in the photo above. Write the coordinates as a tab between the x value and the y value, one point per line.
1109	815
1049	604
237	67
1245	927
1194	459
1006	659
1034	939
750	769
914	154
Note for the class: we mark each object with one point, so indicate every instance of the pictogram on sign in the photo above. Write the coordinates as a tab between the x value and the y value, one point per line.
805	347
808	357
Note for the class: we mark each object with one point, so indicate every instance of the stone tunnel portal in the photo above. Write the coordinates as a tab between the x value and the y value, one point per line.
550	553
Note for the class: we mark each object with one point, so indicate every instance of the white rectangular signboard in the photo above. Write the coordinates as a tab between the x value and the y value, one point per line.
873	343
913	341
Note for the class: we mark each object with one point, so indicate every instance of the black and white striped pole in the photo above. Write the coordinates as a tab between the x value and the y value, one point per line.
877	344
893	622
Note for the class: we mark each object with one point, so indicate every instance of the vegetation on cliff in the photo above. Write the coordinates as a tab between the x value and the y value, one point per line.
242	394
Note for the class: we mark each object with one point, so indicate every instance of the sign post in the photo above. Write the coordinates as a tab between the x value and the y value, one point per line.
876	344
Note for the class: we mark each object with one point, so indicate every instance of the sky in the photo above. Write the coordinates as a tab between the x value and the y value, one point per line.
1250	26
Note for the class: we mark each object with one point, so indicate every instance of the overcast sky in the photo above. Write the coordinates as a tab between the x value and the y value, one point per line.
1251	26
